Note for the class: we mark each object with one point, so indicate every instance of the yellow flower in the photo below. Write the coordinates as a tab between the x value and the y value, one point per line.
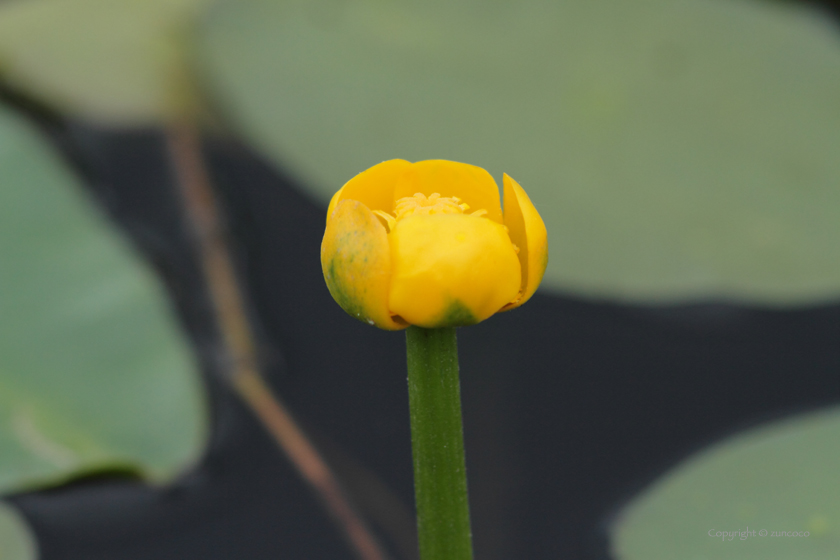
427	244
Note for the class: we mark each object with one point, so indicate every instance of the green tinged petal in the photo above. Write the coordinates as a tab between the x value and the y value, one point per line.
356	261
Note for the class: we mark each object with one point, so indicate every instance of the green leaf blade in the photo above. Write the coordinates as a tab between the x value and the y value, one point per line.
676	149
122	63
778	477
16	540
94	369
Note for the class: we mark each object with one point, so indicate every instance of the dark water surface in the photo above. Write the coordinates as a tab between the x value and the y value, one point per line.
570	406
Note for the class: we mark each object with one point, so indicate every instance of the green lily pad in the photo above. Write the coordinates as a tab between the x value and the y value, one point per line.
116	62
770	493
94	370
675	148
16	541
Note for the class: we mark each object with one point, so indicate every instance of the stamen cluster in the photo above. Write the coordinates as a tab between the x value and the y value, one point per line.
420	205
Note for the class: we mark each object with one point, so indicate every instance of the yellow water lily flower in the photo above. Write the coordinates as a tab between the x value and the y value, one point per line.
427	244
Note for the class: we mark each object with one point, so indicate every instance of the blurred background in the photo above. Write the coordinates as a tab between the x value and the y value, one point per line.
675	376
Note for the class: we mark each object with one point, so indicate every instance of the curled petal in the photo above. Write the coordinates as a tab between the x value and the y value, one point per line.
473	185
374	187
451	269
527	231
333	203
356	262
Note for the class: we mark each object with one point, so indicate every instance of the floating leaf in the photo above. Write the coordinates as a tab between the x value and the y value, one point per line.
16	542
118	62
676	148
773	491
94	371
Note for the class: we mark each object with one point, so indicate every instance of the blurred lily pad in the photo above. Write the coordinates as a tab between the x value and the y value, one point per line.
117	62
94	371
16	541
676	148
770	493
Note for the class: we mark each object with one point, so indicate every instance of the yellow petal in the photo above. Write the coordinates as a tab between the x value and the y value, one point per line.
527	231
451	269
473	185
374	187
356	262
334	202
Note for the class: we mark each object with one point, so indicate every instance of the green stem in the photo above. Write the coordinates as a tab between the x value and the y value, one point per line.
437	442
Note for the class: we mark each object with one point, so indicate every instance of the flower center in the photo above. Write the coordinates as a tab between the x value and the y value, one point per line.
419	205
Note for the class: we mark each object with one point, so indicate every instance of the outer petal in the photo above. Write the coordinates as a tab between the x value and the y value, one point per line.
334	202
451	269
471	184
356	261
374	187
527	231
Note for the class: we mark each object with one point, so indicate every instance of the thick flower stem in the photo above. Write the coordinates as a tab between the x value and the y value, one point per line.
437	441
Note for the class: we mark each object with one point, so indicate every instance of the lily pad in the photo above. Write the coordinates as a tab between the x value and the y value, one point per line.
116	62
16	541
675	148
94	370
770	493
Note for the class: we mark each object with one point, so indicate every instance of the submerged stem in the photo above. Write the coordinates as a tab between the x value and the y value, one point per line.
238	340
437	442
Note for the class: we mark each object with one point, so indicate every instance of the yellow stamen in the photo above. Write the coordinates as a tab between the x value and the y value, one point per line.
420	205
434	204
387	219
